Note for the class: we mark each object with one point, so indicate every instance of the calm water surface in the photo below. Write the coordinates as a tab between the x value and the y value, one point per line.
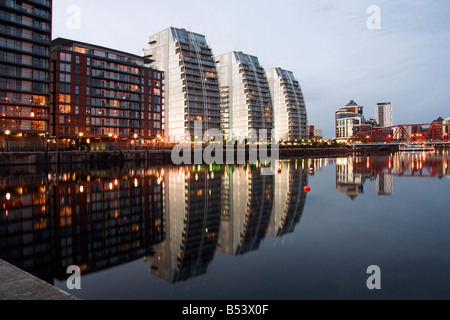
224	232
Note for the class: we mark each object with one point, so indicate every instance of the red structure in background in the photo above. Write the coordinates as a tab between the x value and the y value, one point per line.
409	133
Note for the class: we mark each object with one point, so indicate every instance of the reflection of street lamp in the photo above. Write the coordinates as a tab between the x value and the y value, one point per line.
115	140
110	145
7	132
159	140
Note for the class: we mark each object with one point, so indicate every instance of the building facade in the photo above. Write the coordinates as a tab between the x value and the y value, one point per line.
384	115
25	41
192	95
290	116
246	98
348	120
102	95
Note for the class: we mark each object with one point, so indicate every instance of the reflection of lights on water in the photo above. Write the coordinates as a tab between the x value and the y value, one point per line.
111	186
81	189
8	196
136	183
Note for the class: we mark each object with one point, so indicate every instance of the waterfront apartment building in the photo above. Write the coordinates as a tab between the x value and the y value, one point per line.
245	94
192	95
25	41
290	116
384	115
102	95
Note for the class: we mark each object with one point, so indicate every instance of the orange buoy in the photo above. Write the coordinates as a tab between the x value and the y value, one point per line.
307	189
279	171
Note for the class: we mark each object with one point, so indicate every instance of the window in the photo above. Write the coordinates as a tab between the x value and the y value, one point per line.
39	100
64	77
64	98
65	67
64	109
66	57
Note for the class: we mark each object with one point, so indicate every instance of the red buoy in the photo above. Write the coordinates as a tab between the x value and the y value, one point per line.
279	171
307	189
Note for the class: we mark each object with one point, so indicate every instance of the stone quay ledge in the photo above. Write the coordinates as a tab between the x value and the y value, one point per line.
16	284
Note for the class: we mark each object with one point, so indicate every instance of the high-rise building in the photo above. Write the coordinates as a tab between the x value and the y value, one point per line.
384	115
246	98
192	95
104	95
25	40
290	116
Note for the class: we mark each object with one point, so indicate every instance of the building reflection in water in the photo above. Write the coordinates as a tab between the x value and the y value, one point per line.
25	224
247	202
104	219
95	220
353	172
192	223
290	197
175	218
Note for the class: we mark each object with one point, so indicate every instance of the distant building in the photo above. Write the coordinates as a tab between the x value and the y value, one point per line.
191	86
348	119
384	115
314	133
246	98
446	128
290	116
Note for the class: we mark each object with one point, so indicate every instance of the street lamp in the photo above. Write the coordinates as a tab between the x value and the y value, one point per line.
7	132
135	141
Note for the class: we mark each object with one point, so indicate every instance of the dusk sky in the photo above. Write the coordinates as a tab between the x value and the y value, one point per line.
331	46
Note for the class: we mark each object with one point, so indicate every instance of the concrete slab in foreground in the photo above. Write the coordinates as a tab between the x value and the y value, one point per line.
16	284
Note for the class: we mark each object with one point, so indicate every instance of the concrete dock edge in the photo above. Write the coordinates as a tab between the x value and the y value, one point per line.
16	284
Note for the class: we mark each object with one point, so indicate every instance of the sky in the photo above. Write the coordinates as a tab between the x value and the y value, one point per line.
369	51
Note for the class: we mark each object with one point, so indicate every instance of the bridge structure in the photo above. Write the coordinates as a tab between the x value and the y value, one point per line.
423	134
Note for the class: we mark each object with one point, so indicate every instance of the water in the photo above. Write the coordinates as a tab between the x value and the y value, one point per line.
223	232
